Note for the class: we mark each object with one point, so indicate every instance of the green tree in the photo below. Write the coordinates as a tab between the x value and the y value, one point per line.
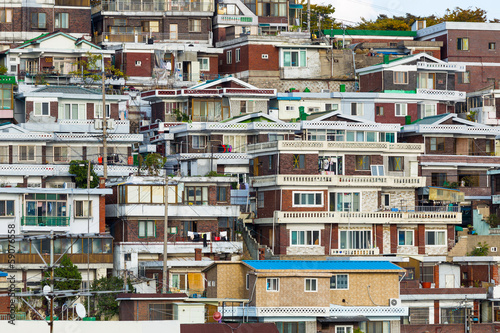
80	170
104	305
383	22
152	163
481	250
89	68
319	11
465	15
66	277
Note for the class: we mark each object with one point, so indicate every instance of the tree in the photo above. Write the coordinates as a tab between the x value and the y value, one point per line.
66	276
383	22
465	15
104	305
80	170
153	163
481	250
90	69
319	11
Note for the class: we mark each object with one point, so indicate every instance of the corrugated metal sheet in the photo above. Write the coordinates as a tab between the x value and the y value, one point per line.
320	265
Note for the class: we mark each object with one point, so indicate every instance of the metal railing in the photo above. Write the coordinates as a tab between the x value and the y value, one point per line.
145	37
45	221
154	6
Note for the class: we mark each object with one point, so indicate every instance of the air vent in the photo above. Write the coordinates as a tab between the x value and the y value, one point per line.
494	249
265	56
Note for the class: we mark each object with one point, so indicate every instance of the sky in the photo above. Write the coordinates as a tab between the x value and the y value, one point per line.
352	10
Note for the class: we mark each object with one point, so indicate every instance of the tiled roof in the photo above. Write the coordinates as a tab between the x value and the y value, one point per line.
432	119
74	90
321	265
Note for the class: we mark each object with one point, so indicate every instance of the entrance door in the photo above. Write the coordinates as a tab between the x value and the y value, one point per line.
449	281
174	32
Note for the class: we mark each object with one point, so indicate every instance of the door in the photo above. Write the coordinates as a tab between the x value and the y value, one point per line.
174	32
449	281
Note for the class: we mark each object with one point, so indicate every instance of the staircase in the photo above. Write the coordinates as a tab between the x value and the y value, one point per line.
460	248
250	245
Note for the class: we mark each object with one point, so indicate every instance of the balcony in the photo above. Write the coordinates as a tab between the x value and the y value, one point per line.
174	211
443	95
131	37
441	66
153	6
183	246
77	125
368	218
229	158
45	223
355	252
295	146
344	181
60	170
81	258
451	129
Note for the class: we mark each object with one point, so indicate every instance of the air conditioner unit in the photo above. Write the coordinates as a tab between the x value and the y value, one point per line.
394	302
494	249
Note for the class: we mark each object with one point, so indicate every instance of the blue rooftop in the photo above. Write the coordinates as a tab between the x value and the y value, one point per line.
320	265
3	274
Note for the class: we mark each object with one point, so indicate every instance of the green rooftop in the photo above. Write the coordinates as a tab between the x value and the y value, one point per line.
396	33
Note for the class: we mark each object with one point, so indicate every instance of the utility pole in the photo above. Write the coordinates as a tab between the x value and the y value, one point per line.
309	16
88	239
52	281
165	238
104	124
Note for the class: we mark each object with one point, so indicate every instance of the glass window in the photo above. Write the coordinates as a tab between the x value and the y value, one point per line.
395	163
38	20
299	161
307	199
435	238
6	207
97	245
221	194
348	202
272	284
83	208
147	229
455	315
196	195
98	111
438	179
463	77
311	285
463	44
356	109
61	20
237	55
229	57
194	25
41	109
362	162
6	16
199	141
343	329
355	239
73	111
294	58
26	153
339	281
305	237
161	311
401	109
204	64
405	237
436	144
61	154
401	77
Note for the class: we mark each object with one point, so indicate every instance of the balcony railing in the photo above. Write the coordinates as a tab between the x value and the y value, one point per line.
441	66
347	181
453	129
154	6
355	252
45	221
313	311
154	37
368	217
60	170
443	94
337	145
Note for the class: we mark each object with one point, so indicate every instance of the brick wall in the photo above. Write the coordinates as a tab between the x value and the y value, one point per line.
286	165
350	165
420	238
139	64
271	203
389	115
371	82
394	238
4	305
287	201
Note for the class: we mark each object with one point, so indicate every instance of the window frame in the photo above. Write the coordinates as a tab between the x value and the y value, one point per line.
35	23
404	233
61	160
147	226
229	57
8	208
247	281
400	109
394	167
300	54
86	208
346	328
435	232
41	109
260	199
361	164
307	235
313	282
400	77
27	153
237	55
439	144
436	177
299	195
357	109
200	142
299	161
194	25
463	77
463	44
273	288
204	64
336	282
61	20
6	15
98	111
221	195
492	46
379	110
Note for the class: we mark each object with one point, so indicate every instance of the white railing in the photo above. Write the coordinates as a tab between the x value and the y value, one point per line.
443	94
331	180
60	170
351	126
217	156
355	252
458	129
372	311
338	145
441	66
367	217
111	137
262	146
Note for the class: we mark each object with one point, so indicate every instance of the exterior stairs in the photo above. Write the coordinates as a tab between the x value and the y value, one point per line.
460	248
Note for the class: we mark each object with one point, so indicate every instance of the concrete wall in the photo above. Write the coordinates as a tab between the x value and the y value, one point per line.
170	326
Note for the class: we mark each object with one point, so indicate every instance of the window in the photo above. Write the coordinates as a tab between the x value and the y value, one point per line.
38	20
455	315
379	110
221	194
435	238
6	16
275	137
356	109
307	199
428	110
272	284
436	144
343	329
194	25
6	207
45	210
377	170
331	107
229	57
61	20
492	46
181	281
199	141
73	111
426	80
204	64
355	239
299	161
271	163
310	285
290	108
150	26
195	195
292	327
238	142
161	311
138	63
463	44
348	202
237	55
147	229
416	316
243	106
41	109
362	162
405	237
260	200
83	208
401	109
400	77
26	153
395	163
386	199
463	77
304	237
6	96
127	256
98	111
61	154
247	281
438	179
339	281
294	58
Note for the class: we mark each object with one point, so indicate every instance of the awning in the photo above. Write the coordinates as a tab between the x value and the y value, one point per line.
295	6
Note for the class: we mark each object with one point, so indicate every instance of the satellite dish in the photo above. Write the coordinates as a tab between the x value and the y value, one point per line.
46	289
80	310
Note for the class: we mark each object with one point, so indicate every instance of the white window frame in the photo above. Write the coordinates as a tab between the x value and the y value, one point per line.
86	208
38	108
312	283
432	112
300	204
358	109
275	287
350	196
401	163
436	231
67	159
27	153
400	77
237	55
98	111
301	58
307	234
179	274
229	57
345	329
204	64
81	111
336	282
405	233
400	109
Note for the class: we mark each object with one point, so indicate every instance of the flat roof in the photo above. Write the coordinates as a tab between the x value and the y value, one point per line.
320	265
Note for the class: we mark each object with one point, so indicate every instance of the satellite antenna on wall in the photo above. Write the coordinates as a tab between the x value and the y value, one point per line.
80	310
